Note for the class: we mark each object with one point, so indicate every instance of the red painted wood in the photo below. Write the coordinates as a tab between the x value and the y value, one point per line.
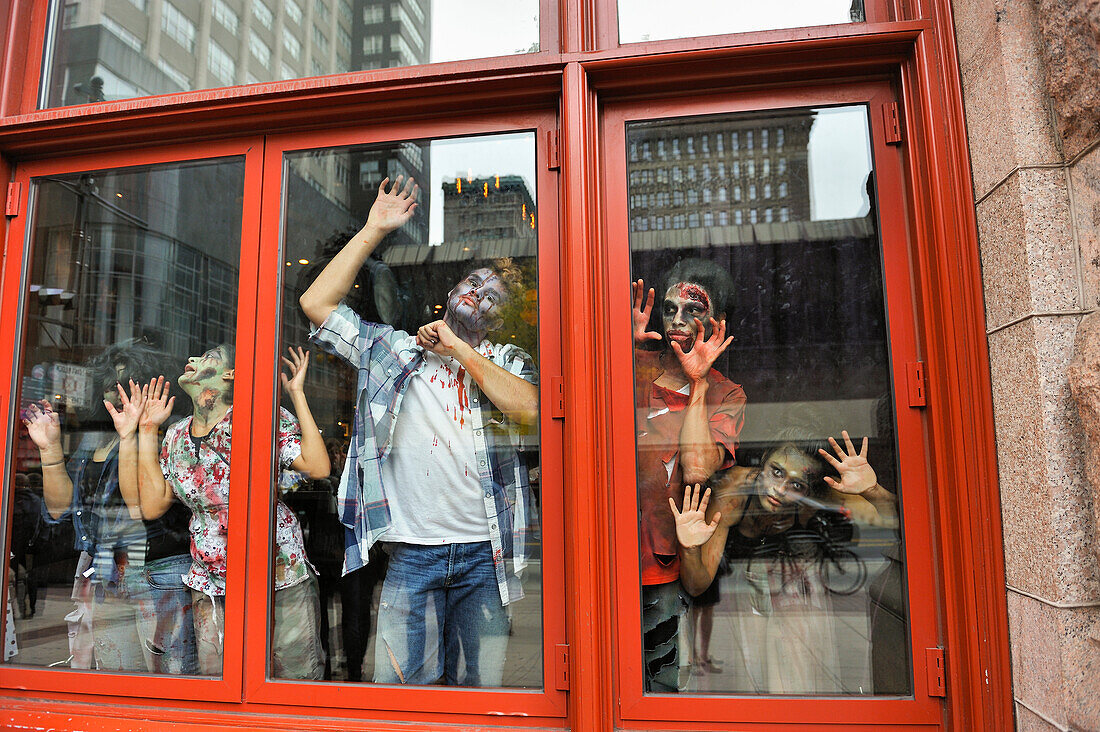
586	361
917	55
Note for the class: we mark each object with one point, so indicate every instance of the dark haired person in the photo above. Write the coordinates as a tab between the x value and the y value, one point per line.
689	417
432	470
192	466
768	525
141	611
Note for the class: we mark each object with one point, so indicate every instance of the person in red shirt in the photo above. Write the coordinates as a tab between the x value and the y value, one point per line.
688	418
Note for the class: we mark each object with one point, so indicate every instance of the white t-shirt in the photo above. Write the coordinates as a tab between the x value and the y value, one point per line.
430	476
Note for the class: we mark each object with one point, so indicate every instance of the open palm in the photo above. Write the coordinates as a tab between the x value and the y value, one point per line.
692	528
856	474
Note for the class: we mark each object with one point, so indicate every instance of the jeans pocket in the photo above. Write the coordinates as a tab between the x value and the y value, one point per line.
167	575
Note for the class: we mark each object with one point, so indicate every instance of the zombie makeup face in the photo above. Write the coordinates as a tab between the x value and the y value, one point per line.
474	304
684	302
785	478
207	377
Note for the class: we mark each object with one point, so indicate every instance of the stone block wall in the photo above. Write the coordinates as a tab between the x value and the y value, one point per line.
1031	87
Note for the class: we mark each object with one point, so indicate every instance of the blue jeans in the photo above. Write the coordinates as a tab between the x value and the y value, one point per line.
440	616
173	643
142	621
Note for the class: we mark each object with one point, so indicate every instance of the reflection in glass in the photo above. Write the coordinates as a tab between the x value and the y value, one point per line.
135	48
131	271
650	20
423	379
783	573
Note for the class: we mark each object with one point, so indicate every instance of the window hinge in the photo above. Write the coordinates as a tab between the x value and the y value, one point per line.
891	122
15	199
557	397
914	374
553	150
561	667
937	679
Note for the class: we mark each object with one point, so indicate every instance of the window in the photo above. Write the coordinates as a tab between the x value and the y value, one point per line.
292	45
148	298
320	41
226	16
641	22
293	11
373	44
177	76
222	64
122	34
177	27
321	12
260	50
374	14
262	13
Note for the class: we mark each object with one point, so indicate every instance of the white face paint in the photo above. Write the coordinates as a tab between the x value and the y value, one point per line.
683	303
475	302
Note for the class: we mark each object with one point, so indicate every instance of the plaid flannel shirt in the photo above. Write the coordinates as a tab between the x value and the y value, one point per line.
386	360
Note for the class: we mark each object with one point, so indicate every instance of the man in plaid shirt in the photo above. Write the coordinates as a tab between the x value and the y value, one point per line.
432	468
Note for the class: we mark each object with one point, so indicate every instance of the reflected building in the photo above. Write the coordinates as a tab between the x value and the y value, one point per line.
128	48
718	174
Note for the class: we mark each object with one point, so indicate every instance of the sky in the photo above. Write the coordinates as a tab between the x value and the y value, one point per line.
642	20
477	157
482	28
840	159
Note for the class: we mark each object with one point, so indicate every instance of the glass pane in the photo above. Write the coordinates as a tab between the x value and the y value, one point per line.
651	20
118	528
416	494
121	49
761	228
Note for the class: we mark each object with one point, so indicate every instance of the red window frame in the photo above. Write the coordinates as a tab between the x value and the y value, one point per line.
542	705
844	711
583	69
16	263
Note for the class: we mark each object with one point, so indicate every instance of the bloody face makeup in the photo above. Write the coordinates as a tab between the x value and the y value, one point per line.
786	476
474	304
683	303
204	377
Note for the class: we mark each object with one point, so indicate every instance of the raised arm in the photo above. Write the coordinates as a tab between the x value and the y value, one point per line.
516	397
700	454
126	419
868	501
44	427
701	541
153	490
314	460
391	210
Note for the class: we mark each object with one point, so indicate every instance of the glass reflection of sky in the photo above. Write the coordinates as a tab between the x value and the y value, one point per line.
477	157
840	160
652	20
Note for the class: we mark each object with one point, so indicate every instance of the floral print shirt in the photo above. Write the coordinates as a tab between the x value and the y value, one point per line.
198	471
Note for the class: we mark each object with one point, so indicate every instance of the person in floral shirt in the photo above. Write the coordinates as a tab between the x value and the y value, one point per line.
193	464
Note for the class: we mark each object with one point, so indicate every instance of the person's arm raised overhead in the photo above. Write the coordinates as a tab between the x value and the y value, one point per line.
155	493
390	211
314	460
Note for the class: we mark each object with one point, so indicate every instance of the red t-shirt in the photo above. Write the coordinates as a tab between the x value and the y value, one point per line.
659	417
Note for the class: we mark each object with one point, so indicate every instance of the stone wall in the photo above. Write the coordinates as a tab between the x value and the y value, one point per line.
1031	87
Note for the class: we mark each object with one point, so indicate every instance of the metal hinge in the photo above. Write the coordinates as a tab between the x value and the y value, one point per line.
15	199
914	376
937	678
891	123
561	667
553	150
557	397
